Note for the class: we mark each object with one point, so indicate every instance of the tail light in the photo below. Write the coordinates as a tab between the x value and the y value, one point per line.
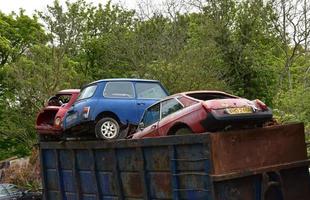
85	112
204	105
261	104
57	122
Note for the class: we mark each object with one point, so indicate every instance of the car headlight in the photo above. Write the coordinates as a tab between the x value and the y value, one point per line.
57	121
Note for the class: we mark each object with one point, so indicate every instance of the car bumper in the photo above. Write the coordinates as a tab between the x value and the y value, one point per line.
80	129
216	122
49	130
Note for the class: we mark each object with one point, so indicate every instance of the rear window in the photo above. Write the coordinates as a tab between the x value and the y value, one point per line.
119	90
170	106
64	98
210	96
150	91
59	99
87	92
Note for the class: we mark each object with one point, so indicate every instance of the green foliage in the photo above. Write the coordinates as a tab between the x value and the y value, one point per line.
17	34
247	43
293	106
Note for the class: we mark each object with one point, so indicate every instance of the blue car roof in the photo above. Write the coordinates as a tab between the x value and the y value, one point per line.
123	79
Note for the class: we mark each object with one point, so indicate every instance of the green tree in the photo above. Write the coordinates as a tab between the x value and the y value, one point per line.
17	34
31	80
248	46
107	43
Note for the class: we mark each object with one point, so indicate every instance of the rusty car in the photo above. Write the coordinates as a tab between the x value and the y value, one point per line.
50	118
201	111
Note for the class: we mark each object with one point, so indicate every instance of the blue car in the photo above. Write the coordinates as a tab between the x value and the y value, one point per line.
104	108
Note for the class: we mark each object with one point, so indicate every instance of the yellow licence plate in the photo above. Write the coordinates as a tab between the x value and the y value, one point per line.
241	110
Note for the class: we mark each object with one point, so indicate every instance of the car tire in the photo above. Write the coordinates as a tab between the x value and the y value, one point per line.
183	131
107	128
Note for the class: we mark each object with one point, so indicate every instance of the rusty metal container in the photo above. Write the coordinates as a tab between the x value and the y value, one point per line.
260	164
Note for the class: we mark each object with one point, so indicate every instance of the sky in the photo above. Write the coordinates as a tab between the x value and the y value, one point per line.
7	6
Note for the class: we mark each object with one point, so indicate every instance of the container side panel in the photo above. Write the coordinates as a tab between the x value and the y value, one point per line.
241	189
191	157
107	184
251	149
66	160
87	182
68	181
89	197
157	158
193	187
192	170
160	185
128	159
109	198
70	196
52	180
83	160
103	159
296	183
132	184
49	159
52	195
180	167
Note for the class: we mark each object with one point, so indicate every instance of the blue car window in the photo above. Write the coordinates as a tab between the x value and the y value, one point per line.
119	90
150	91
151	115
170	106
87	92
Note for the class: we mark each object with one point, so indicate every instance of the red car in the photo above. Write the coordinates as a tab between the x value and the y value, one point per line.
49	120
201	111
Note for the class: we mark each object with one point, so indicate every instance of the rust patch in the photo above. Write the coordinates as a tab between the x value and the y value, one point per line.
132	184
250	149
161	185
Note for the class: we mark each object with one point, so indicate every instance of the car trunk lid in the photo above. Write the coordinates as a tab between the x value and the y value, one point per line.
47	116
217	104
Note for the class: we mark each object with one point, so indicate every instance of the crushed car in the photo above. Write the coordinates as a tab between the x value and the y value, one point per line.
106	107
50	118
201	111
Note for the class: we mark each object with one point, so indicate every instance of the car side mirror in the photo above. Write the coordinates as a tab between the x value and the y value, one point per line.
141	126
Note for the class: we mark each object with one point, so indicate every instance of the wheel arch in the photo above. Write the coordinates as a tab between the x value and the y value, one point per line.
107	114
176	127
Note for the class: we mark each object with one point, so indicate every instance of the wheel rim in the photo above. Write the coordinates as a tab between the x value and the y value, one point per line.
109	129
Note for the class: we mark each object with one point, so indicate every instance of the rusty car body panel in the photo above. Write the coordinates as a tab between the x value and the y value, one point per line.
45	123
258	164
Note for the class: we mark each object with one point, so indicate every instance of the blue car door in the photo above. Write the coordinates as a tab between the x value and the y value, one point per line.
147	94
143	104
119	98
